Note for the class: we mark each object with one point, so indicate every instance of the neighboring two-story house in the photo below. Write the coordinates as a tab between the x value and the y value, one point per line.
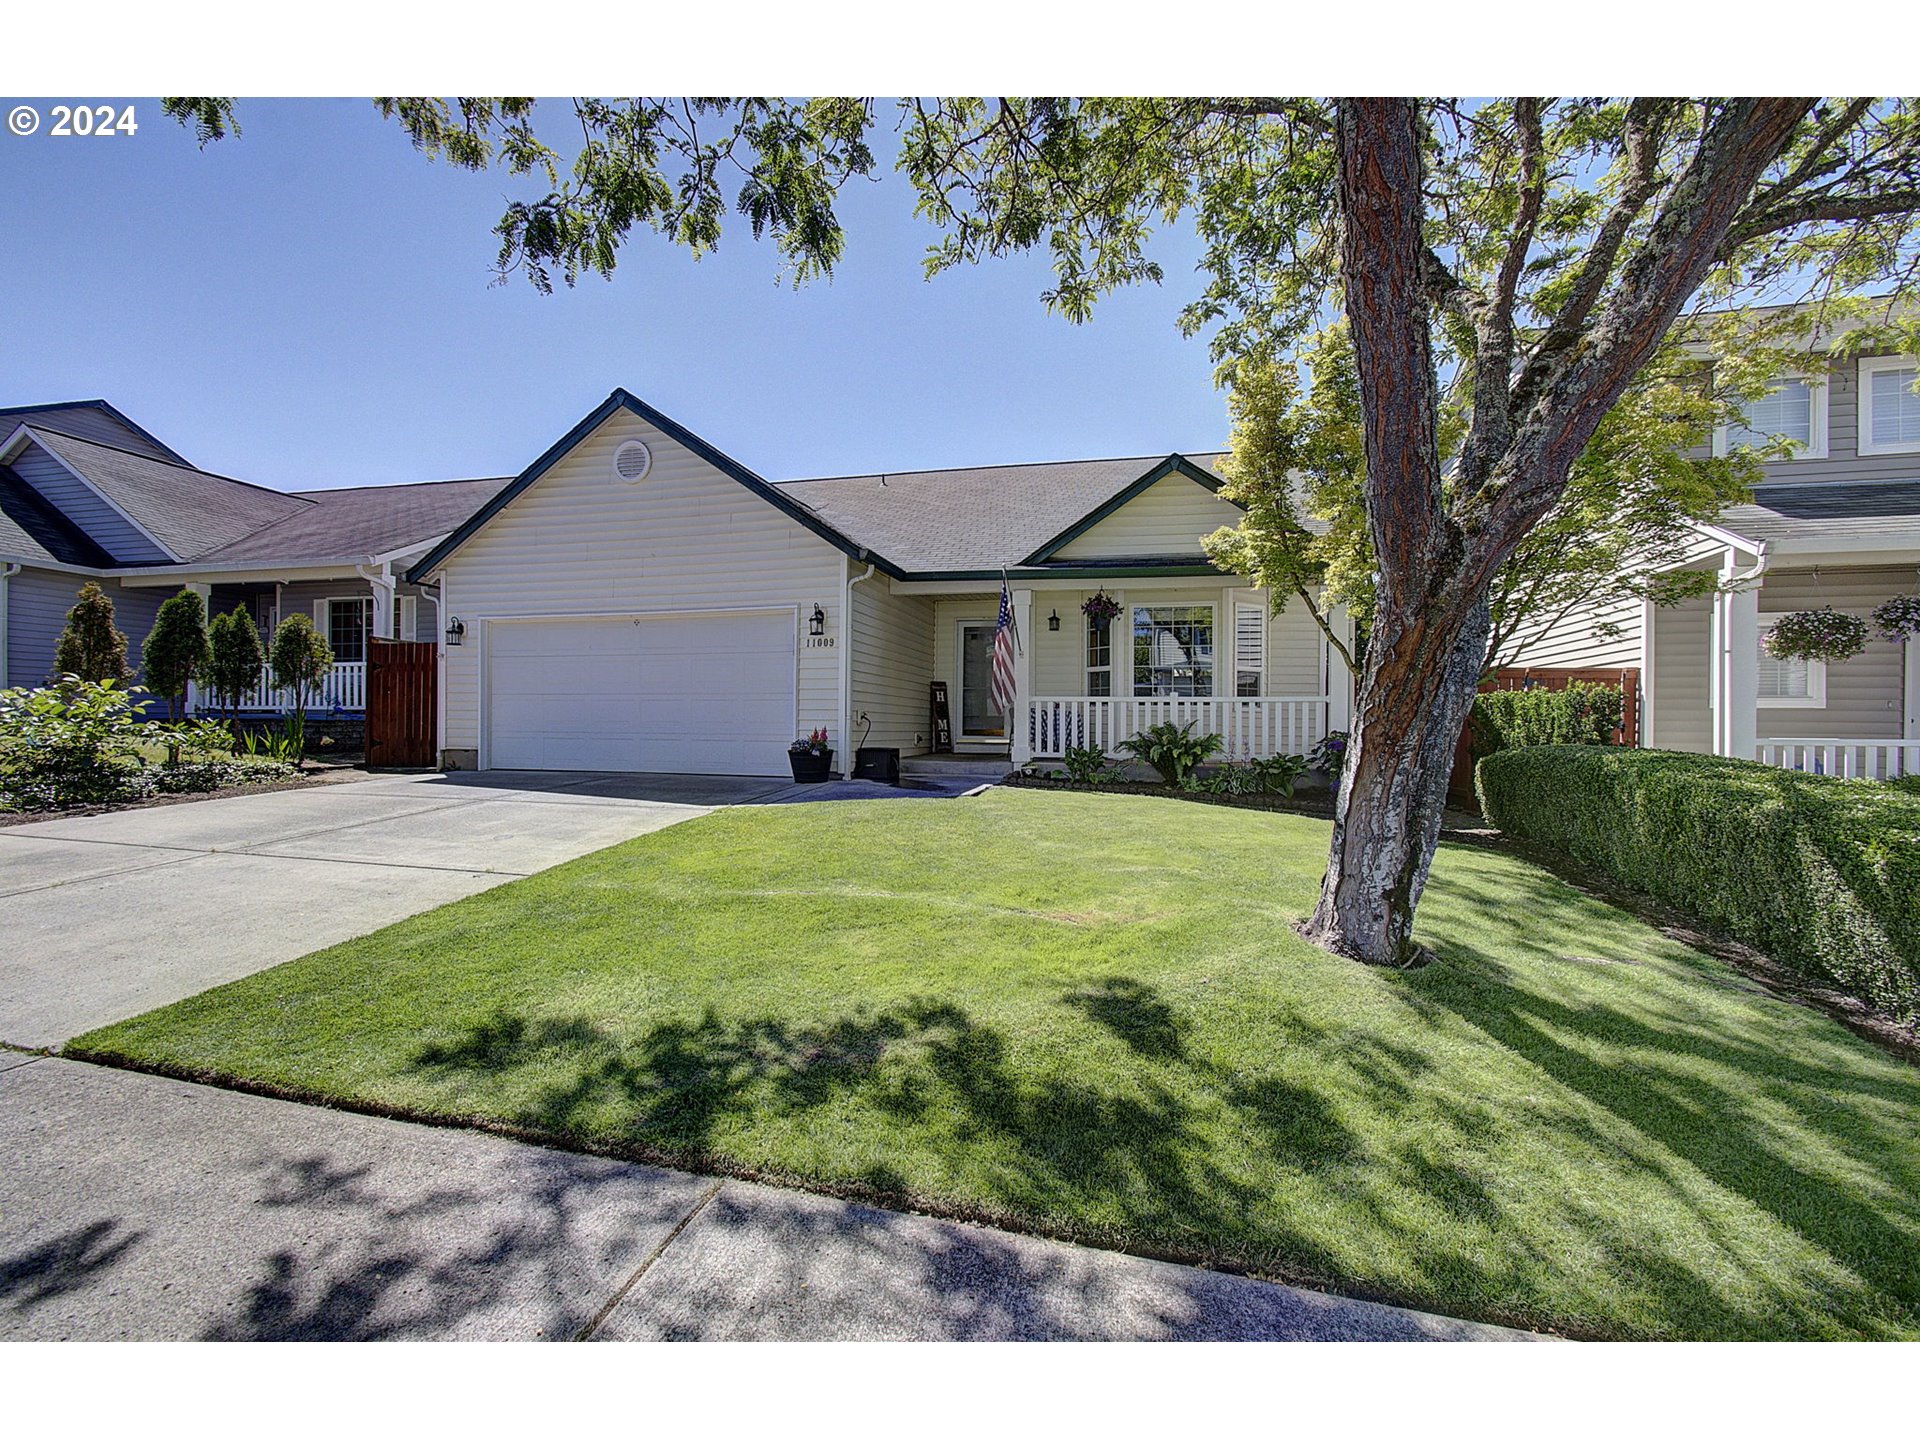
1837	524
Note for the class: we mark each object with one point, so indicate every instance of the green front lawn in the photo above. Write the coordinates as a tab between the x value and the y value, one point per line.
1089	1014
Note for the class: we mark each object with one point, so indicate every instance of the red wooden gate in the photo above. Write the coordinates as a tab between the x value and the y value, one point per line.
401	688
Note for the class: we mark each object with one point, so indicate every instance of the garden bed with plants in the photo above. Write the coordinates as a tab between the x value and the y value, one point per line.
82	747
1184	762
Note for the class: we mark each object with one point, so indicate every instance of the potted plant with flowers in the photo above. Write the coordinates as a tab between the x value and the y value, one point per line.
1898	618
1825	634
1100	608
811	758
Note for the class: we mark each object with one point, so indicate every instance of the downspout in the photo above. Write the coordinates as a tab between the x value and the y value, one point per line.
846	659
11	569
380	578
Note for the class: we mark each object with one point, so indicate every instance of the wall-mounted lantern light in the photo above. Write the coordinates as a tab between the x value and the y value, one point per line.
1053	620
817	622
455	630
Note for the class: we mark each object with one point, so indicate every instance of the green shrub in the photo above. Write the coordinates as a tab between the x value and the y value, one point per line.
74	743
177	650
1584	713
1088	765
1174	750
1822	874
1278	772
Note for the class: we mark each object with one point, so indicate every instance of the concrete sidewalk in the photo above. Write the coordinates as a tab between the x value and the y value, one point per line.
134	1207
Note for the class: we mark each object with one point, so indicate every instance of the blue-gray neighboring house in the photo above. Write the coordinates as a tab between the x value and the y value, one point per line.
88	494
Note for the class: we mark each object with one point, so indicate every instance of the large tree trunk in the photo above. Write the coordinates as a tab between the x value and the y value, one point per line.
1420	679
1437	560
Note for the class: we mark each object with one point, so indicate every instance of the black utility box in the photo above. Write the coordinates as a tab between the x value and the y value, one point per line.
873	762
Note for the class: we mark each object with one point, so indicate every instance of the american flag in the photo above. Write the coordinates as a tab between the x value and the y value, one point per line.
1000	693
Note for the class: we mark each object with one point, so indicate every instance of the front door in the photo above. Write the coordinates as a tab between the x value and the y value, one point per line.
979	721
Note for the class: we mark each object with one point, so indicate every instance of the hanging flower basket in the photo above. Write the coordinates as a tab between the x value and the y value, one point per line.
1100	608
1825	634
1898	618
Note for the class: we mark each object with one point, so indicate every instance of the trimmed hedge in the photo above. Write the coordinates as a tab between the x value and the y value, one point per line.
1820	873
1584	713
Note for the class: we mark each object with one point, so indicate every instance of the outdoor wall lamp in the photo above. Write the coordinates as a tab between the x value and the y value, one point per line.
817	622
455	629
1053	620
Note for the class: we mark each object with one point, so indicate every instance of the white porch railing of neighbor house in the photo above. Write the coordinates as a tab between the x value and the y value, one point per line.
1268	725
345	688
1850	759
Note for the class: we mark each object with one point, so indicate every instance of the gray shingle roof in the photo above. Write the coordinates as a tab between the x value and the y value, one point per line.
353	524
1843	511
189	511
973	519
90	420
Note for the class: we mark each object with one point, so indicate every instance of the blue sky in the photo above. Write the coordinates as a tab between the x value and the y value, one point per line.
309	305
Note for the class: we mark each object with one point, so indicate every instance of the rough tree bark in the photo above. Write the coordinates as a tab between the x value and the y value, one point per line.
1438	557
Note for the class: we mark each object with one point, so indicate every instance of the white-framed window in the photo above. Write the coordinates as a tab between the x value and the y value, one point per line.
346	621
1790	684
1793	407
1099	658
1889	410
1173	650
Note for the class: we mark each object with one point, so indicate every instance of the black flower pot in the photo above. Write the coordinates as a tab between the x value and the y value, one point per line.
811	767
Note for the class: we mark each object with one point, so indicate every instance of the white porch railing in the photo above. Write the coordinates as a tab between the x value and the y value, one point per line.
345	688
1850	759
1268	725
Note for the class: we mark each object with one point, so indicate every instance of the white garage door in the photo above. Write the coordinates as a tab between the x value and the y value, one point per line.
696	694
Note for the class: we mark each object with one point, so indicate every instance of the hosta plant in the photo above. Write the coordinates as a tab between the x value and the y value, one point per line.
1898	618
1824	634
1174	750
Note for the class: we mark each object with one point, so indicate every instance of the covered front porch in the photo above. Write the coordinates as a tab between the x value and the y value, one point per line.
348	607
1189	648
1718	689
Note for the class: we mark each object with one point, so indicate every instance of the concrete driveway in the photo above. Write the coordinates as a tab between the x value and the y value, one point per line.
106	916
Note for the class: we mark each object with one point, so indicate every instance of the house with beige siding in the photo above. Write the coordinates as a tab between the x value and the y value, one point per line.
638	600
86	494
1835	524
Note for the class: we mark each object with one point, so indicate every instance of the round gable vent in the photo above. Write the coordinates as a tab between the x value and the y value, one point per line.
632	461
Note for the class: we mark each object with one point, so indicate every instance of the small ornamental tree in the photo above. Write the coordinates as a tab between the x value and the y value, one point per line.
177	651
300	658
90	647
237	658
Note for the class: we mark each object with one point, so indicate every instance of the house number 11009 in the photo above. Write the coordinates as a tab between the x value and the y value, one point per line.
820	642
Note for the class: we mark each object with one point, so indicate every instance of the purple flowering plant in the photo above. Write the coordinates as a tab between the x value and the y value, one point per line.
1824	634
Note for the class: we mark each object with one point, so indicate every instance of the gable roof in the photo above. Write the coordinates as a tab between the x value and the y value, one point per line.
1832	510
987	517
32	529
90	419
622	400
350	525
186	511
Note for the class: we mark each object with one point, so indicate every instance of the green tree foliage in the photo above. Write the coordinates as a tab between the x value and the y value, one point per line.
177	650
237	657
90	647
300	657
1297	463
1528	257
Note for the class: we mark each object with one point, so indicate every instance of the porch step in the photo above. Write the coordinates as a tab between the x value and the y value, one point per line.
953	767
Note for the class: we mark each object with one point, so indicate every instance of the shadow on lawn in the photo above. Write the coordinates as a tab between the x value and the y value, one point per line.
1200	1157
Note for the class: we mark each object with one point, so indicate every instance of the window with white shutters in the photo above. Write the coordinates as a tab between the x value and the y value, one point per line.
1249	649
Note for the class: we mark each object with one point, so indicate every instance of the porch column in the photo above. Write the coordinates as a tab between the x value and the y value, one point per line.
1337	680
1742	686
191	702
1020	749
383	584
